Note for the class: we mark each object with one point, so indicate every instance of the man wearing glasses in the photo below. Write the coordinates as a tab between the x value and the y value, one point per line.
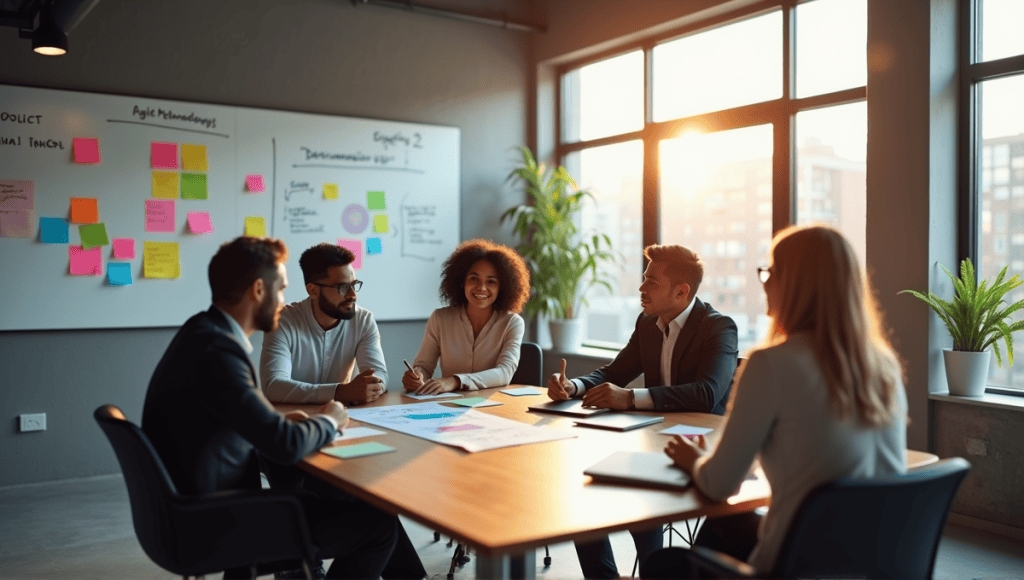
311	357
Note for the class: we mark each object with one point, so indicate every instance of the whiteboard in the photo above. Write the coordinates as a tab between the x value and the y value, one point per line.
397	202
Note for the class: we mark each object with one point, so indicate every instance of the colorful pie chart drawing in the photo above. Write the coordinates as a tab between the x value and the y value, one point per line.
355	219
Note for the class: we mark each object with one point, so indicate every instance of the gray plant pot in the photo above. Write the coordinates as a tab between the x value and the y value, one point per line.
566	334
966	372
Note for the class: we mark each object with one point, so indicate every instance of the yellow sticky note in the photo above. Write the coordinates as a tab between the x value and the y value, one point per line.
165	184
255	227
330	191
160	260
193	157
380	224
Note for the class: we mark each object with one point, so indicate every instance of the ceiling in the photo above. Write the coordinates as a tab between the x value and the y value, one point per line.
22	13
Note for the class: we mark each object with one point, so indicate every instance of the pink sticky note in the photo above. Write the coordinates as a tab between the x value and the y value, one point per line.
160	215
17	194
85	262
254	183
199	222
458	428
165	155
19	223
356	246
86	150
124	248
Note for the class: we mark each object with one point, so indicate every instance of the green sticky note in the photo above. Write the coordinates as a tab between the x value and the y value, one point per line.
474	402
380	224
375	200
358	450
193	186
93	235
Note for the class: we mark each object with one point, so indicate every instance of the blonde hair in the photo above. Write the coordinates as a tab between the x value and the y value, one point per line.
821	292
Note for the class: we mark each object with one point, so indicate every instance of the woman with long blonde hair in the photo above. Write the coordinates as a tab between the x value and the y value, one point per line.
822	398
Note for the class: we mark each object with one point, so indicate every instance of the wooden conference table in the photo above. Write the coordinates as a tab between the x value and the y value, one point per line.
506	502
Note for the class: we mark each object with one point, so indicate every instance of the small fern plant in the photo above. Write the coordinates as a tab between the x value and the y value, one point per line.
978	317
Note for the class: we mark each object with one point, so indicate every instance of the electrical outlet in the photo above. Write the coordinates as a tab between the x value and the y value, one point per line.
33	422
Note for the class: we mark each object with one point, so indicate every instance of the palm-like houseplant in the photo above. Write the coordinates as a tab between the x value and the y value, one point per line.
564	262
977	318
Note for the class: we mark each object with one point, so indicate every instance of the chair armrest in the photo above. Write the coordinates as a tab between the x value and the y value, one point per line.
721	564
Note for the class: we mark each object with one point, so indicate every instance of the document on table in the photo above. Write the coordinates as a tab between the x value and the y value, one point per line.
466	429
412	395
521	391
357	433
685	430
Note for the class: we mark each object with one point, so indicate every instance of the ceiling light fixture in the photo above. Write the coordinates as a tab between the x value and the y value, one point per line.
48	38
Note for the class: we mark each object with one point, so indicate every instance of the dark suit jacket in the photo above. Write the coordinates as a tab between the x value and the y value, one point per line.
207	419
703	362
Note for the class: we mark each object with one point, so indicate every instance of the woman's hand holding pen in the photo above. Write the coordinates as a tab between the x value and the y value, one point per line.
412	379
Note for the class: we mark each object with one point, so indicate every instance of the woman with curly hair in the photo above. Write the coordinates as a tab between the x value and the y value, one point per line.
477	336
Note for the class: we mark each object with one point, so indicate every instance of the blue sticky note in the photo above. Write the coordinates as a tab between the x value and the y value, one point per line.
53	230
119	274
358	450
373	246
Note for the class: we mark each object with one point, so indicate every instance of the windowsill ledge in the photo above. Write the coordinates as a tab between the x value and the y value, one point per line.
585	352
1008	402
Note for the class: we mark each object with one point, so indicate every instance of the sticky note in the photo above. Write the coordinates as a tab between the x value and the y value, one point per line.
254	183
375	200
373	246
86	150
160	260
475	402
330	191
193	157
164	155
686	430
255	227
356	247
193	186
85	210
160	215
93	235
17	194
119	274
199	222
165	184
85	262
358	450
53	230
17	223
380	224
124	248
521	391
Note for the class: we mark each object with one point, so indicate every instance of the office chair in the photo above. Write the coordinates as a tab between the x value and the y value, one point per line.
854	528
529	372
263	531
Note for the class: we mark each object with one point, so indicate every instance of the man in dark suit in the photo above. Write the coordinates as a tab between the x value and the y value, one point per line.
208	420
687	353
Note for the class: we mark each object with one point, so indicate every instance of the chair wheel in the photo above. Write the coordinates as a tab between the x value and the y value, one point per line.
547	560
437	536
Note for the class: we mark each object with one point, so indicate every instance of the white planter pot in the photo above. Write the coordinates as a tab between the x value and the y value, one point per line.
966	372
566	334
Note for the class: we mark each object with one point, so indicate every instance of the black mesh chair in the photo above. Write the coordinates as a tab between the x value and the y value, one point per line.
529	372
259	530
854	528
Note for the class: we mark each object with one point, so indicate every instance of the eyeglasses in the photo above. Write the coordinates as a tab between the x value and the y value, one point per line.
344	287
763	273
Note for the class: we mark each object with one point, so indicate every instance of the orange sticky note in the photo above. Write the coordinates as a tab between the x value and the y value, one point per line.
165	184
86	150
85	210
193	157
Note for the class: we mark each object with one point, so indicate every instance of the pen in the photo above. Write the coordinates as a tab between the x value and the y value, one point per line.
408	366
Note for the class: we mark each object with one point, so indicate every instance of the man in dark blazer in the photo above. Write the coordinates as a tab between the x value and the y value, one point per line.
208	420
686	351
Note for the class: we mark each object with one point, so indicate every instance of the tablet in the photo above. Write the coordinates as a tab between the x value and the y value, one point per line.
620	421
639	468
572	408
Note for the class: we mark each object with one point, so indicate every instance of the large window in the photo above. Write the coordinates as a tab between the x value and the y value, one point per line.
714	136
994	149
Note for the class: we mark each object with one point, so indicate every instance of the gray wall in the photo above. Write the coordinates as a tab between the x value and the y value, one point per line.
321	56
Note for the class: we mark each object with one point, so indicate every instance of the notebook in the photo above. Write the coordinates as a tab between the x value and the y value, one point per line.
639	468
620	421
572	408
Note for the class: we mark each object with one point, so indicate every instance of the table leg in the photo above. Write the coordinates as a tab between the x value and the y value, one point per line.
512	567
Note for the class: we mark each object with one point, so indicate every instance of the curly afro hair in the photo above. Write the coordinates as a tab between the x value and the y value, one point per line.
513	277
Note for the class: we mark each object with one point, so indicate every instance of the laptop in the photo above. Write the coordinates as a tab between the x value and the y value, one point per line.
639	468
572	408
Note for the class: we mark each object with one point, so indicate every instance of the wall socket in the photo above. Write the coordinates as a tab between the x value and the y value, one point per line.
33	422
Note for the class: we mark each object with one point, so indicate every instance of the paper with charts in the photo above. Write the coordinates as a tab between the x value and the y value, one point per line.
463	428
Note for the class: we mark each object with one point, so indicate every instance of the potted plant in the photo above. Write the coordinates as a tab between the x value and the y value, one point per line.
976	318
564	262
